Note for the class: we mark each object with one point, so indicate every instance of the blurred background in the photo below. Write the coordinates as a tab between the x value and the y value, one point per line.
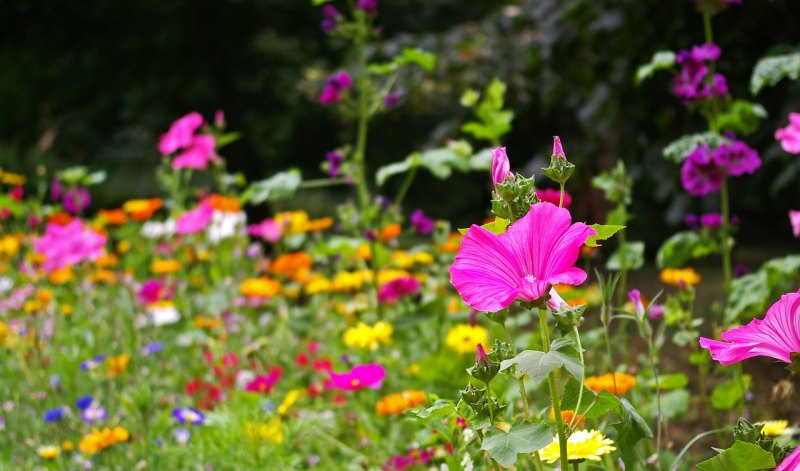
96	82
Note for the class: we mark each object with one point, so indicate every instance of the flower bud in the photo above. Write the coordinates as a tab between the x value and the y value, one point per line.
501	168
471	394
558	150
484	369
560	169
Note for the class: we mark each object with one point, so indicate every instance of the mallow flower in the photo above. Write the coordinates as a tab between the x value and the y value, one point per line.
776	336
501	168
791	462
789	136
492	271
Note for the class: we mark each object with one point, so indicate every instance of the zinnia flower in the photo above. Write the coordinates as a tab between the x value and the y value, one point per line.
615	383
265	383
789	136
195	220
582	445
397	288
680	277
776	336
360	377
492	271
69	245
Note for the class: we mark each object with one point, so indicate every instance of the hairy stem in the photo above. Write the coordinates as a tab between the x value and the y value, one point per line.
551	380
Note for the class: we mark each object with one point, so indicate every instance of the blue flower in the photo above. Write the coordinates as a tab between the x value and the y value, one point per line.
92	364
84	402
188	415
152	348
54	414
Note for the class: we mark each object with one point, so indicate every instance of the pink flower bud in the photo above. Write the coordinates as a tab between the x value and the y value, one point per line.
501	168
480	355
558	151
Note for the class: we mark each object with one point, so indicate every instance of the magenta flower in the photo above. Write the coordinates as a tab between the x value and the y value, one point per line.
360	377
558	150
422	224
711	220
69	245
791	462
76	200
501	168
369	6
265	383
790	135
195	220
552	195
267	229
776	336
794	219
397	288
636	299
336	84
330	17
700	174
690	83
334	163
737	158
181	133
492	271
153	291
198	154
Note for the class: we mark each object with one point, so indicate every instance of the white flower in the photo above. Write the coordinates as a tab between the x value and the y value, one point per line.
163	313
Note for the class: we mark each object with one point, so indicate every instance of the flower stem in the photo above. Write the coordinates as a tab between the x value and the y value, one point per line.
724	243
551	380
576	415
561	196
707	27
575	466
363	113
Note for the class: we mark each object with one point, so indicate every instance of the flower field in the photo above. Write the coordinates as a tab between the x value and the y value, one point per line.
217	324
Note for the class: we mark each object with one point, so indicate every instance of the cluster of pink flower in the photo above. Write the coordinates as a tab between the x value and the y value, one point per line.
693	82
196	150
704	169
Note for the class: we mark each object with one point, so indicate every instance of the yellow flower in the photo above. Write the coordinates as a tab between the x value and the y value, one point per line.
288	401
207	322
400	402
9	245
99	440
413	369
318	284
404	260
680	277
259	287
67	446
49	452
117	364
581	445
67	309
385	276
271	431
161	267
347	281
615	383
773	428
364	336
464	338
13	179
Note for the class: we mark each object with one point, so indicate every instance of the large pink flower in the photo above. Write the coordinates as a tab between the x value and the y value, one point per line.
69	245
790	135
181	133
195	220
791	462
537	251
776	336
198	154
361	376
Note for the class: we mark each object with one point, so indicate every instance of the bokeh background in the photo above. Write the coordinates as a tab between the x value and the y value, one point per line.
96	82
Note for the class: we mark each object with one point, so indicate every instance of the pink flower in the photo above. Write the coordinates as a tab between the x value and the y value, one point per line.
265	383
336	84
153	291
558	150
501	168
790	135
791	462
69	245
395	289
76	200
700	173
737	158
181	133
267	229
195	220
552	195
198	154
636	299
794	219
422	224
360	377
492	271
776	336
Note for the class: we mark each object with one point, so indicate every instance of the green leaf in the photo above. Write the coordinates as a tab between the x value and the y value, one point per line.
492	121
630	430
13	206
678	149
669	381
728	394
440	162
538	364
524	437
770	70
617	216
628	257
748	297
440	408
604	232
742	456
743	117
317	3
498	226
674	404
424	59
684	246
661	60
95	178
593	404
469	98
279	186
228	138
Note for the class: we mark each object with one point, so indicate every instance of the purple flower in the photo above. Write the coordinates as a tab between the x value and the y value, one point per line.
692	221
53	415
93	363
55	189
690	83
636	300
335	85
558	149
330	16
93	413
656	312
369	6
794	220
76	200
737	158
182	435
791	462
361	376
334	163
705	52
422	224
152	348
392	99
711	220
501	167
188	415
700	174
395	289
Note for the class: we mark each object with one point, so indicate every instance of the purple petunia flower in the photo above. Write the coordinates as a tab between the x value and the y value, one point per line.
422	224
700	174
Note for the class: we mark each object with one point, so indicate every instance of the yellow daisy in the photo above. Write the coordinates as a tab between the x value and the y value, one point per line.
581	445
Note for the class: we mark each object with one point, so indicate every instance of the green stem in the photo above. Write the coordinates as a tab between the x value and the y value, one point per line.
401	193
322	182
561	196
551	380
575	466
489	403
724	243
576	412
363	113
659	415
707	28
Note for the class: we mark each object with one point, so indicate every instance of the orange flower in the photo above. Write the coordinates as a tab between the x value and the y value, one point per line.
292	264
207	322
99	440
103	276
259	287
566	417
62	219
142	209
615	383
400	402
452	244
117	364
107	260
390	232
225	204
62	275
317	225
161	267
113	217
680	277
